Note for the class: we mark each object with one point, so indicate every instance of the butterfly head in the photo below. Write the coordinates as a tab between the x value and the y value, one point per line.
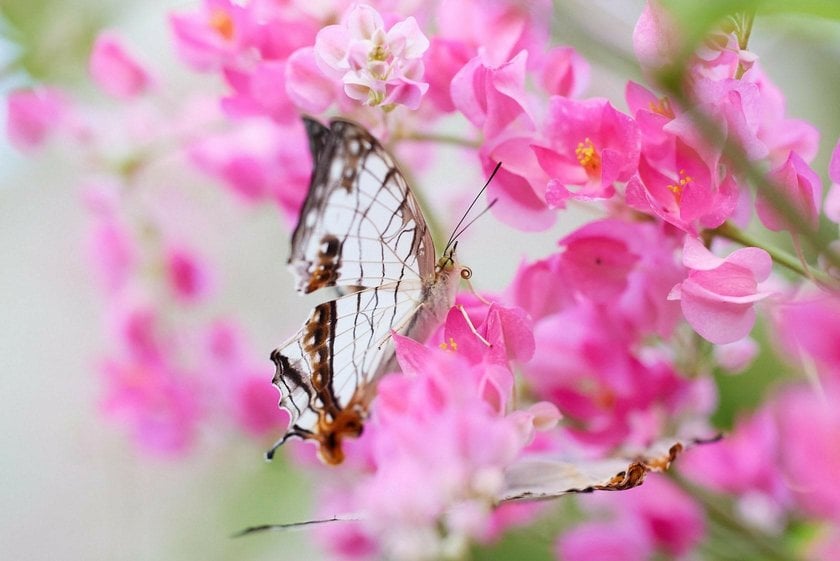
448	265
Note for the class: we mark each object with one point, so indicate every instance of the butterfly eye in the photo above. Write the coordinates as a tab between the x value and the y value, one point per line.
466	273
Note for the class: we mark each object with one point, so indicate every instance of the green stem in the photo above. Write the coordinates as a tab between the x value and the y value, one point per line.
729	231
439	138
720	513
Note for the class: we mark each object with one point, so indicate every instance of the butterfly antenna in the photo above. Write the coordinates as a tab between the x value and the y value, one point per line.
469	208
471	222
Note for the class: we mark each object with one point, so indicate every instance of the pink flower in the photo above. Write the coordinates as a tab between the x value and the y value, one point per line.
113	253
259	160
718	297
239	381
377	67
666	518
491	97
604	541
442	61
684	191
564	72
540	288
812	326
809	425
738	356
746	461
213	36
657	39
306	85
832	200
627	265
609	395
589	145
498	28
260	92
115	70
33	115
187	276
795	187
158	405
519	185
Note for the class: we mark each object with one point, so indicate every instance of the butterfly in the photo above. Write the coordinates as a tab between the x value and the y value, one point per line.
361	232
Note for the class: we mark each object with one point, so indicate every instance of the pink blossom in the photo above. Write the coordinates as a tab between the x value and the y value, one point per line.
33	115
657	39
718	296
113	253
627	265
745	462
684	191
491	97
779	133
540	287
519	185
670	517
809	425
605	541
564	72
812	326
738	356
589	146
377	67
158	405
116	71
795	187
610	395
259	160
239	380
651	114
501	335
260	92
213	36
438	441
443	60
188	277
306	85
498	29
667	519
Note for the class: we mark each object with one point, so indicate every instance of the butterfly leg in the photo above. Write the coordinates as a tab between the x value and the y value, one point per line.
397	328
471	326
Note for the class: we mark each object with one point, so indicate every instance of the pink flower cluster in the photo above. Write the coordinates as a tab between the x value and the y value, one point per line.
608	341
164	373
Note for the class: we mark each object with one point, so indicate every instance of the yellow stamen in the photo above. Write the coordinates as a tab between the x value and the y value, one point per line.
452	346
588	157
678	188
221	21
663	107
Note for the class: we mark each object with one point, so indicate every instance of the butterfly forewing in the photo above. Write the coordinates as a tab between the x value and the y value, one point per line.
360	225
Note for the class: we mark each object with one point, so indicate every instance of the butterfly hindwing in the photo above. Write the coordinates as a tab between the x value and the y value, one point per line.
341	349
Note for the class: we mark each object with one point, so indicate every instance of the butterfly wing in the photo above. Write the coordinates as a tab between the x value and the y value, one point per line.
360	225
328	365
361	231
540	477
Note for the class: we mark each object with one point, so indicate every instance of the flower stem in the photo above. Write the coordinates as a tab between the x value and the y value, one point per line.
439	138
731	232
720	513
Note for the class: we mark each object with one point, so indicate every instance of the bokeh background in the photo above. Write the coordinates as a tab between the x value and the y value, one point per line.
72	486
